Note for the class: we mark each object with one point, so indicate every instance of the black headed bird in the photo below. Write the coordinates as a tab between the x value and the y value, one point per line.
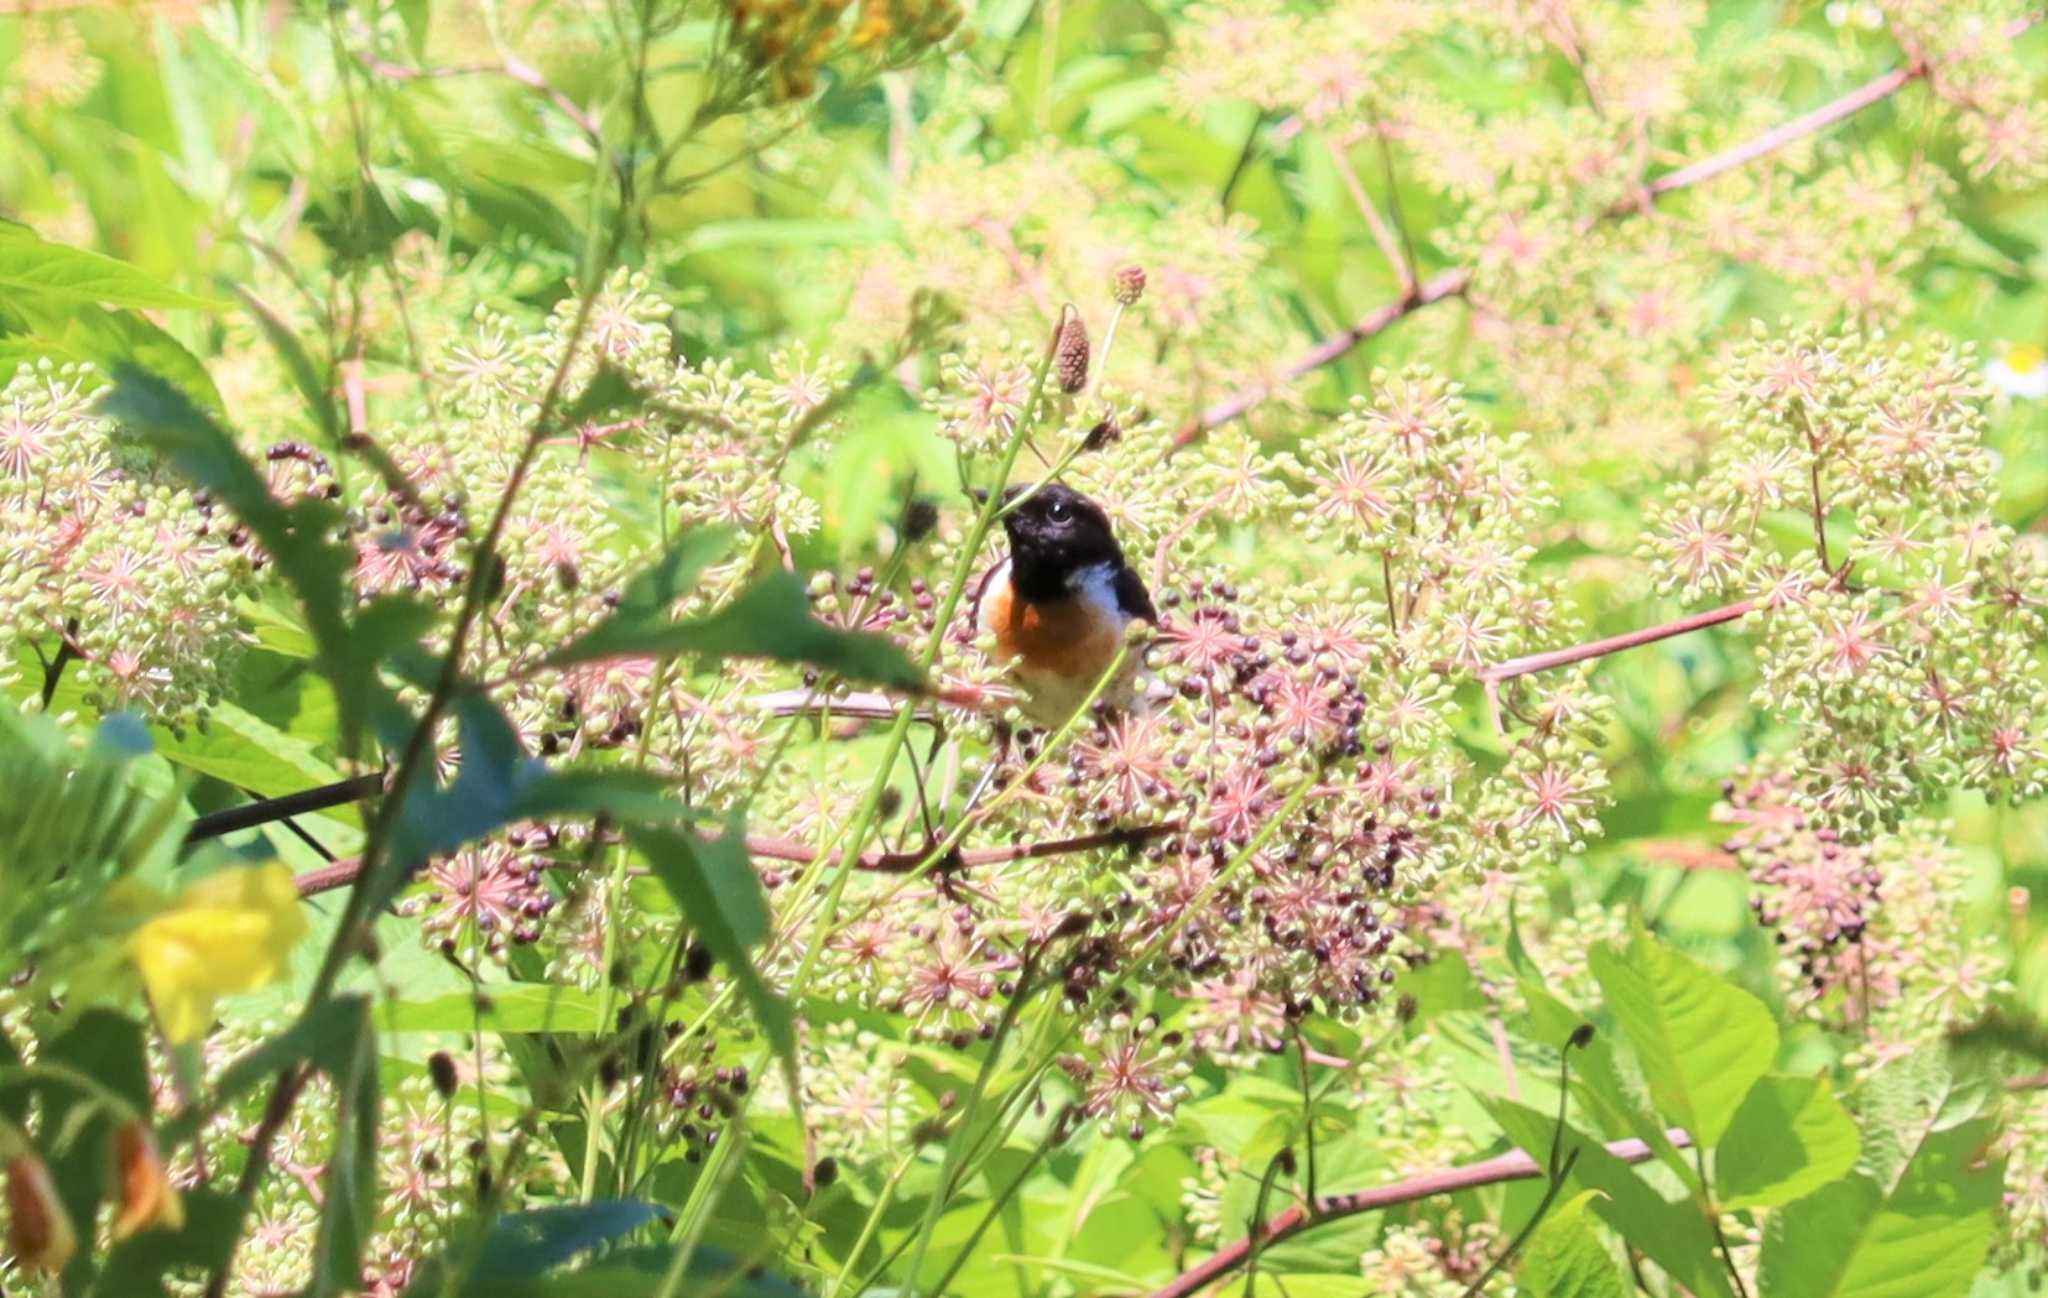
1058	606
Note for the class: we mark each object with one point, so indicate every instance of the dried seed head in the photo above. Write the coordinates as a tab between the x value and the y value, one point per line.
441	1067
1130	285
1070	354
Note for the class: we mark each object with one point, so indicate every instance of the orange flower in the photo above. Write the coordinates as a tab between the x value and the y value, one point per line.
148	1199
39	1233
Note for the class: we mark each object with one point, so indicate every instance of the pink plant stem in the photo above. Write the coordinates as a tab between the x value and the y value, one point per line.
1448	284
1529	664
1870	92
1330	1207
1452	283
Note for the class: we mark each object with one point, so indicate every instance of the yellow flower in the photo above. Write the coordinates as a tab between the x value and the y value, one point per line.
230	932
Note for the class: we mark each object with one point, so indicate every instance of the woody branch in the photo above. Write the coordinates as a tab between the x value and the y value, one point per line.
1301	1218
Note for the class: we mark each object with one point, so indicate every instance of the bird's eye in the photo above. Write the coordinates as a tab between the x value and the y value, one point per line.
1057	511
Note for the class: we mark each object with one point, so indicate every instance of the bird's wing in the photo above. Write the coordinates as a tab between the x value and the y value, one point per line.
1132	597
999	569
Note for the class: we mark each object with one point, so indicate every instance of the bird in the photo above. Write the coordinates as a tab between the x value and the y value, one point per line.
1058	605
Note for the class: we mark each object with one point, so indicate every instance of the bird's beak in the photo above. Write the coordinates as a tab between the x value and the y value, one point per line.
980	495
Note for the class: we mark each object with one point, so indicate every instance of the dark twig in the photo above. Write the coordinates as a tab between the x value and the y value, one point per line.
267	810
1244	160
53	670
1448	284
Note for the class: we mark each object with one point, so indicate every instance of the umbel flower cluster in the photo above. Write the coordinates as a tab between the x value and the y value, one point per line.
1869	932
110	563
1900	629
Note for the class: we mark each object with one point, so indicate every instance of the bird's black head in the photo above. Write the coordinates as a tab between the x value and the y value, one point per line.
1053	531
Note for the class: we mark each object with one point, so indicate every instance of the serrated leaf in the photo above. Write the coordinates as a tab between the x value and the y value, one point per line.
1924	1239
1565	1258
771	619
107	339
57	274
1789	1137
1702	1042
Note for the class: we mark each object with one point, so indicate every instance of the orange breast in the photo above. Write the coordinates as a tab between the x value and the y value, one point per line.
1070	638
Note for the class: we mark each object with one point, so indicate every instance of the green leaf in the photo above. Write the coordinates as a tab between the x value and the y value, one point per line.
508	1008
521	1243
1443	986
1924	1239
609	391
625	1273
1701	1041
57	274
2015	1032
649	596
305	375
1790	1137
772	619
494	775
213	1221
107	339
239	748
1565	1258
1675	1236
714	884
349	1210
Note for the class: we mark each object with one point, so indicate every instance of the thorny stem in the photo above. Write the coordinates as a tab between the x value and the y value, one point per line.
418	752
1453	282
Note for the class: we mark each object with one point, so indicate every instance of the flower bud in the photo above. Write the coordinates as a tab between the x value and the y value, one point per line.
1070	354
39	1234
148	1199
1130	285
